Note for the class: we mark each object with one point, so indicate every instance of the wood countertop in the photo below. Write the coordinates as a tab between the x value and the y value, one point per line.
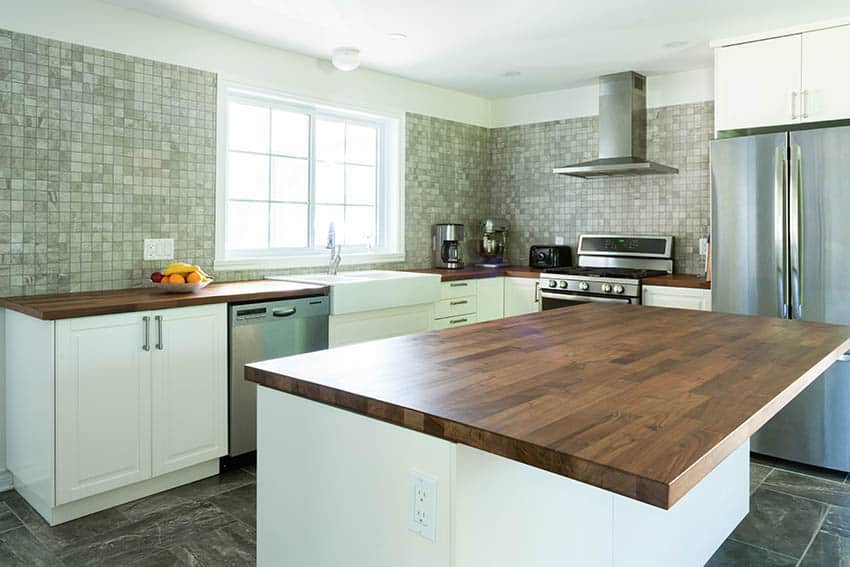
475	273
601	393
84	304
678	280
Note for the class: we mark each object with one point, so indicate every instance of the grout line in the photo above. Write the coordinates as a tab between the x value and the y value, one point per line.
821	502
814	535
761	548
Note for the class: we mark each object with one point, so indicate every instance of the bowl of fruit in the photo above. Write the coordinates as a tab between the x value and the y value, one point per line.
180	278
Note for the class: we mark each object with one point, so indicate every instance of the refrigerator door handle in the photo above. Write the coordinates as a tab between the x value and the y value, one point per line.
796	232
780	186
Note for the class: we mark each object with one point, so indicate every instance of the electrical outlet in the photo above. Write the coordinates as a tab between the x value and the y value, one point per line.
423	505
159	249
559	241
703	246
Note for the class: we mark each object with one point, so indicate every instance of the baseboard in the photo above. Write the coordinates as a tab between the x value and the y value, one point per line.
6	481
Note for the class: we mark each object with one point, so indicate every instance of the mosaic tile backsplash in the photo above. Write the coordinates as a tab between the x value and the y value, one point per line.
100	150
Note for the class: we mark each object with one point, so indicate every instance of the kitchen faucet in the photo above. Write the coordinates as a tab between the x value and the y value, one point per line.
336	257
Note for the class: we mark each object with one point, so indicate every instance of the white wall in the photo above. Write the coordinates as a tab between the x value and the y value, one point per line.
662	90
113	28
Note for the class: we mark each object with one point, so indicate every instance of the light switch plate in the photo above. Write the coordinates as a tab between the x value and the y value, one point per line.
703	246
559	241
159	249
423	505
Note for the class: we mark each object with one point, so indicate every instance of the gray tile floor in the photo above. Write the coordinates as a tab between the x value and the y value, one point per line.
208	523
799	516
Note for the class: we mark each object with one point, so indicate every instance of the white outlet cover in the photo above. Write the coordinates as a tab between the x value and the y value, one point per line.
423	505
159	249
559	241
703	246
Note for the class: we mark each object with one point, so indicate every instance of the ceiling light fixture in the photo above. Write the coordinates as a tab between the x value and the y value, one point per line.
674	44
510	74
397	36
346	58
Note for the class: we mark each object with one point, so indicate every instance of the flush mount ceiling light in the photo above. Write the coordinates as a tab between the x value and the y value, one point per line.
674	44
510	74
397	36
346	58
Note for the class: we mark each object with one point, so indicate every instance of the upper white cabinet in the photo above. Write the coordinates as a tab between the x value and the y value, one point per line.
522	295
826	85
758	83
782	80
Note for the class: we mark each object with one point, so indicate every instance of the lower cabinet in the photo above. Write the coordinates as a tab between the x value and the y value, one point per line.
676	297
138	405
522	295
354	328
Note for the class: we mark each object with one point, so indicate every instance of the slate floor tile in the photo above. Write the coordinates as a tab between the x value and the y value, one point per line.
241	503
736	554
828	550
234	545
820	489
837	522
208	487
757	475
780	522
800	468
21	545
8	519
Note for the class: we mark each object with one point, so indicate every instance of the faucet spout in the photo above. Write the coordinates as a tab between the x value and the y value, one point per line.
336	258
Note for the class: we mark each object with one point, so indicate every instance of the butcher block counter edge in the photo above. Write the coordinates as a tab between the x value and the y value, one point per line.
678	280
476	273
662	494
85	304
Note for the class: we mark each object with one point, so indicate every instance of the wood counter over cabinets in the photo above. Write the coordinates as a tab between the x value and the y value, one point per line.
678	280
476	273
601	393
84	304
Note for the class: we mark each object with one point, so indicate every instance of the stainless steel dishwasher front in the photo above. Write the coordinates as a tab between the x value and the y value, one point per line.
261	331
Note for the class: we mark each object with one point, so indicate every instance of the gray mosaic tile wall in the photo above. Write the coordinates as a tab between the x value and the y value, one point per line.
97	151
541	206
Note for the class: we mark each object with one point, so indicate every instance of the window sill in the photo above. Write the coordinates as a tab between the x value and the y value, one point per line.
309	261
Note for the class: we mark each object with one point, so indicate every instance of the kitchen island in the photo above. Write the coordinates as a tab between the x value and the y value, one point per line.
595	435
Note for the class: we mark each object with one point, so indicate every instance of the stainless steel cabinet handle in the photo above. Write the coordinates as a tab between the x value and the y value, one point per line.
147	344
284	312
793	105
454	321
536	292
780	186
804	104
461	302
158	319
458	284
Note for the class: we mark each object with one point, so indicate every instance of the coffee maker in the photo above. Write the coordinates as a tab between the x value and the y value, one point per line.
493	243
447	246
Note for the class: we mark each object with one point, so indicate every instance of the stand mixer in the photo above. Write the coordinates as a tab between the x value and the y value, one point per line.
493	243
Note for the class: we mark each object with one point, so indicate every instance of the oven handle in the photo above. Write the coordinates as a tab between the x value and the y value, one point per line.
583	298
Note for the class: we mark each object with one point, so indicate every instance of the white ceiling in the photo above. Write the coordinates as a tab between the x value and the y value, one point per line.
468	45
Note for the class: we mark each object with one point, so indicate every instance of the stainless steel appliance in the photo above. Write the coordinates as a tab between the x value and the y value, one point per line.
622	131
555	256
781	248
609	270
261	331
493	243
447	246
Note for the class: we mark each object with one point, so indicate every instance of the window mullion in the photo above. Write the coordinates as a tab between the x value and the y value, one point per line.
269	188
311	184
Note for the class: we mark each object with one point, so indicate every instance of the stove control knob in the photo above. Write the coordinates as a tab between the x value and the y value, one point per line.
606	288
564	285
584	286
553	283
619	289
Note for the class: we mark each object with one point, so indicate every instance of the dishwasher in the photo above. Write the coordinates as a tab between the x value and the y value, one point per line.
261	331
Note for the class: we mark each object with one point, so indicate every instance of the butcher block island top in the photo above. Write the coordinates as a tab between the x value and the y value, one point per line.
640	401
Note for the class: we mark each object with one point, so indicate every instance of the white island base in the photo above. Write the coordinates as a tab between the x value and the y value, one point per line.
333	489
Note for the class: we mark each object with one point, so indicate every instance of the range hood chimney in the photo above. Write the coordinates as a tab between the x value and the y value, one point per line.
622	131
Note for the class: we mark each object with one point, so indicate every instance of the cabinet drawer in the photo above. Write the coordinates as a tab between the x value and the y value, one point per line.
458	306
461	288
458	321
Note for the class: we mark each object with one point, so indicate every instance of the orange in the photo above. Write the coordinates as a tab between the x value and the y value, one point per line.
194	277
164	279
176	278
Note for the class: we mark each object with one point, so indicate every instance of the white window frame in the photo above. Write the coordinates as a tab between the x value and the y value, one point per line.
390	198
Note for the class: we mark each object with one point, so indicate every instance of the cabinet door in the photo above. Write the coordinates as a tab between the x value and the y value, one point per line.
757	84
103	405
521	296
677	297
353	328
826	86
491	299
189	386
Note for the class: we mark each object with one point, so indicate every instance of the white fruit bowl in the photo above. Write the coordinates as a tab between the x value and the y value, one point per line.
181	287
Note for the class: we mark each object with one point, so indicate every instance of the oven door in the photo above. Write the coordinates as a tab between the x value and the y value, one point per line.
556	300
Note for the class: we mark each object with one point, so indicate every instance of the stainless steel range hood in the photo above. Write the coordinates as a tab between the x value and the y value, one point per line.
622	131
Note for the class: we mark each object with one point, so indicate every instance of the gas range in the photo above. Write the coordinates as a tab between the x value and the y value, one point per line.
610	268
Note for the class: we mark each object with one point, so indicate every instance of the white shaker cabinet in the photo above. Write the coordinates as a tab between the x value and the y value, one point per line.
826	85
491	299
188	401
676	297
522	295
758	83
103	405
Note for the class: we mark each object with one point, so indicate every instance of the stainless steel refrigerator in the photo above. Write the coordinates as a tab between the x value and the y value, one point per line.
781	247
